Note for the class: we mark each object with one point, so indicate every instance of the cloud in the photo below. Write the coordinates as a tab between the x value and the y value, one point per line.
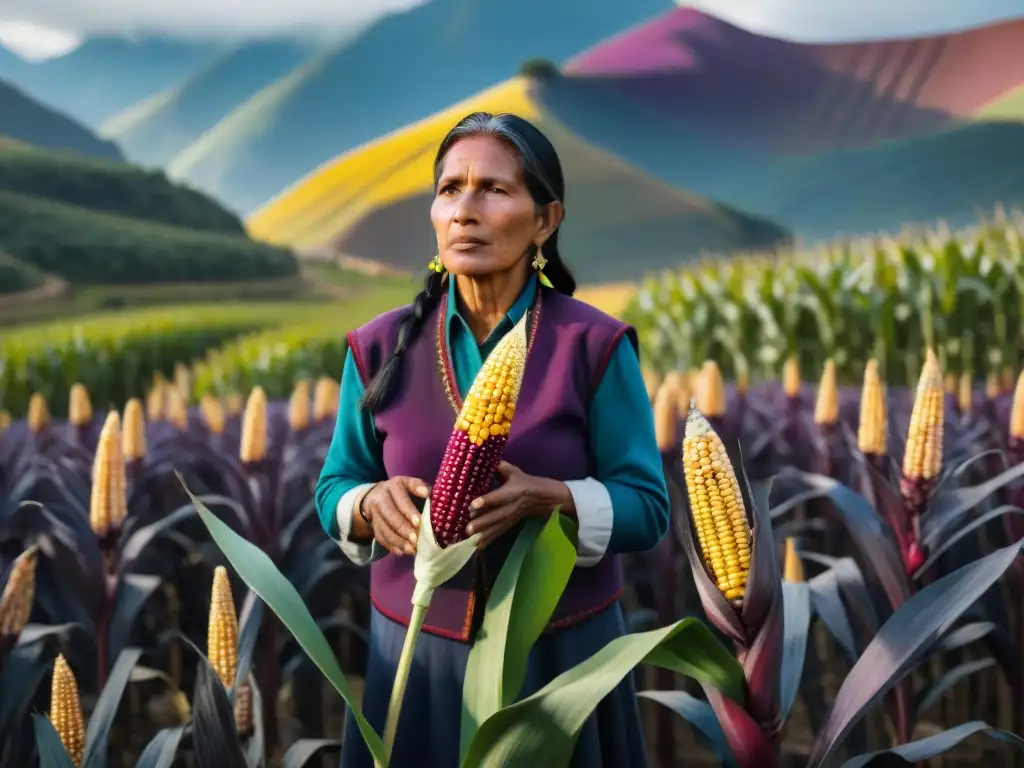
44	27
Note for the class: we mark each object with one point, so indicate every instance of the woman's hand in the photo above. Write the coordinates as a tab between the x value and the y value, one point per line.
392	513
520	495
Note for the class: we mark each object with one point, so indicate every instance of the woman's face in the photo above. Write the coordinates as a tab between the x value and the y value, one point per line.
483	215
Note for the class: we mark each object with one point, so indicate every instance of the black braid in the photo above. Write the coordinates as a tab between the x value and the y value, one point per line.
381	388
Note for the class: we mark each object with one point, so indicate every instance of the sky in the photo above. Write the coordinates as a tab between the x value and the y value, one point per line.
42	28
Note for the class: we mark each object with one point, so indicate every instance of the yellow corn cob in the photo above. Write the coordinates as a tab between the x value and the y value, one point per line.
964	396
710	394
791	377
5	420
38	413
212	413
325	398
949	383
923	455
156	401
873	427
19	592
79	406
826	408
66	710
683	396
222	629
177	408
254	427
651	380
719	513
992	387
742	381
299	407
1006	382
133	443
233	404
107	503
1017	410
183	381
793	569
479	437
666	416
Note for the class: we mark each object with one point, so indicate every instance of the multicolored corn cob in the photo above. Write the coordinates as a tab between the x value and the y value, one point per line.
710	391
38	413
66	710
793	566
107	503
254	427
325	398
791	377
478	441
717	506
299	407
873	426
79	405
826	407
222	629
133	444
212	413
18	595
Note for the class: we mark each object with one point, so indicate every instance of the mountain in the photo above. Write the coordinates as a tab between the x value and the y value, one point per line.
11	64
106	75
155	130
25	119
400	69
824	139
374	202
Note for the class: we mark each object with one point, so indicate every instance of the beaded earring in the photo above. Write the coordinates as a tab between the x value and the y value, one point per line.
435	264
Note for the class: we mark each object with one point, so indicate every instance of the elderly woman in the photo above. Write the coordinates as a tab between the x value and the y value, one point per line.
582	440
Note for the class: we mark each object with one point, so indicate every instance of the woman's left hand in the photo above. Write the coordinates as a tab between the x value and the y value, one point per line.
520	495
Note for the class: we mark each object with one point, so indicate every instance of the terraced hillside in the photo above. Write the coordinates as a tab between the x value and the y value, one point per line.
401	69
22	118
374	202
821	138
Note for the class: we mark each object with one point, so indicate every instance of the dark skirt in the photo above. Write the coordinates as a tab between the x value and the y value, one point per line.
428	730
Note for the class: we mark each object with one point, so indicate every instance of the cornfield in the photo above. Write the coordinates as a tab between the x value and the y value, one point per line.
883	298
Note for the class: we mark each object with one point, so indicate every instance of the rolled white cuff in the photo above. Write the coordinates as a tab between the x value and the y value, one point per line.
594	515
360	554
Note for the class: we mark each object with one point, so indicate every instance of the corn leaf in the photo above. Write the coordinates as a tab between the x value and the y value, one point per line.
249	620
133	591
903	640
542	728
933	693
24	669
304	750
260	574
796	600
256	745
51	749
915	752
524	596
102	717
697	713
214	738
162	748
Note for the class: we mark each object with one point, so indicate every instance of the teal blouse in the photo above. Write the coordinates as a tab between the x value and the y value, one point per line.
625	453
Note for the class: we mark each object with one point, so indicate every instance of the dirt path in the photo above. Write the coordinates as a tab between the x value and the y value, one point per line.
52	288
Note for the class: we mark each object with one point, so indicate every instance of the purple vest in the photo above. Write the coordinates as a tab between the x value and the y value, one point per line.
571	349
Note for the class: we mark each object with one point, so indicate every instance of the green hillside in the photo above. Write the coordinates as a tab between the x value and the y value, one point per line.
25	119
112	187
87	247
16	276
155	130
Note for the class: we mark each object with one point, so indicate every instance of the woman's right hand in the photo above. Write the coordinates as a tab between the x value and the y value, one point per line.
391	512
